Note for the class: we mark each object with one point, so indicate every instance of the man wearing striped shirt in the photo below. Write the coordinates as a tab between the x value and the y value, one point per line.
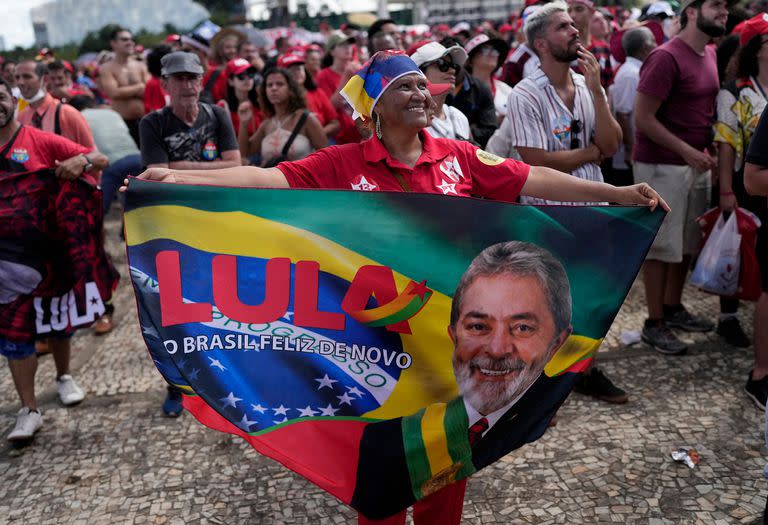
561	119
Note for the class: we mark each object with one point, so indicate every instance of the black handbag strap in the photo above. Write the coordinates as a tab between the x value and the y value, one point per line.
57	120
294	133
208	87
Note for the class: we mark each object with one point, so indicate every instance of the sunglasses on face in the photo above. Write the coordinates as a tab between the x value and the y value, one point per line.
575	130
244	76
444	65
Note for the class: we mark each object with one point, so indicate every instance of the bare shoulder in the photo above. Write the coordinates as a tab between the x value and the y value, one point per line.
108	68
137	65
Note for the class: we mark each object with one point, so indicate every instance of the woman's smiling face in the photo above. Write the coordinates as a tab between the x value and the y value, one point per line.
407	102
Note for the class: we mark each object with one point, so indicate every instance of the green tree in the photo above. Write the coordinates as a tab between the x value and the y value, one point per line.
96	41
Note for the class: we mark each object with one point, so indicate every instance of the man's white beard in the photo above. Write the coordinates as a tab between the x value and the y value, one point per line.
488	396
38	96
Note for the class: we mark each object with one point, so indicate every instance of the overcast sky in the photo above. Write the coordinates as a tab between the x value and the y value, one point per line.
15	24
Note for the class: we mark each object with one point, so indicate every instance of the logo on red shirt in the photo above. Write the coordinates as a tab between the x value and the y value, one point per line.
447	187
362	184
19	155
209	151
451	168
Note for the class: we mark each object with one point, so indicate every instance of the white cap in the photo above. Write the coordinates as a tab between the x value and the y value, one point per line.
660	8
435	51
461	26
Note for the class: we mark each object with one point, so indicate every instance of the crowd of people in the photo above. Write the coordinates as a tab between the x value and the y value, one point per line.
643	99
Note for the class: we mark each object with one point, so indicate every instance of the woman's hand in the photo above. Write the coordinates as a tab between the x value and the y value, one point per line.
245	112
641	194
157	174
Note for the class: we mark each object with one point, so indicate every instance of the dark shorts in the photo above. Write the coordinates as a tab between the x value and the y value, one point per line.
16	350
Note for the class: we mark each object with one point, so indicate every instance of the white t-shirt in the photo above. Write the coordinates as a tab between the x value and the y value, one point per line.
454	126
623	93
500	98
500	142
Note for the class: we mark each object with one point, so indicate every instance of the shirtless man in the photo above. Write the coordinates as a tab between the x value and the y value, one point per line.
123	80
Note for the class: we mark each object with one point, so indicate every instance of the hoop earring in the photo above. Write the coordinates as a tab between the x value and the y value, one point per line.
378	127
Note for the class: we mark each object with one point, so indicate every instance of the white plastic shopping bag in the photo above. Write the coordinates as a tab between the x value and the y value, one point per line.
717	270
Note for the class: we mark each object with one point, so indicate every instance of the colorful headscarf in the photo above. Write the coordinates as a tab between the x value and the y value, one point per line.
367	85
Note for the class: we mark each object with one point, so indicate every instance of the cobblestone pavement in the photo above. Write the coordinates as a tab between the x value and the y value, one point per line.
116	459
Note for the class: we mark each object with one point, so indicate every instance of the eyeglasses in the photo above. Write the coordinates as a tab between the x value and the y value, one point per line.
444	65
245	76
575	130
489	51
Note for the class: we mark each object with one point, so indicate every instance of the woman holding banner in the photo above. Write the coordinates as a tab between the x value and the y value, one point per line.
401	157
393	94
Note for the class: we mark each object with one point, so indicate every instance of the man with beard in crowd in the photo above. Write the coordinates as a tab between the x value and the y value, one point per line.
561	119
123	80
25	148
674	112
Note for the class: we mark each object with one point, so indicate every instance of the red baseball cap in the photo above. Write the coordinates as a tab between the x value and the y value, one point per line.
755	26
237	66
417	45
505	28
291	59
173	37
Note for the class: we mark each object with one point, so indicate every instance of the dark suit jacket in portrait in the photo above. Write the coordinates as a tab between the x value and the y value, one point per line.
384	485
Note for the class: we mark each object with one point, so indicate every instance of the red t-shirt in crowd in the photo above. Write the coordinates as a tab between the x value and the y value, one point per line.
687	84
446	167
154	95
253	125
219	87
32	149
328	80
319	104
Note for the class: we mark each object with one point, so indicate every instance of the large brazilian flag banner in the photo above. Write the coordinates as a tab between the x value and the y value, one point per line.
319	325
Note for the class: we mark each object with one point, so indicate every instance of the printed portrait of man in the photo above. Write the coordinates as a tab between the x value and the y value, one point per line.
510	314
